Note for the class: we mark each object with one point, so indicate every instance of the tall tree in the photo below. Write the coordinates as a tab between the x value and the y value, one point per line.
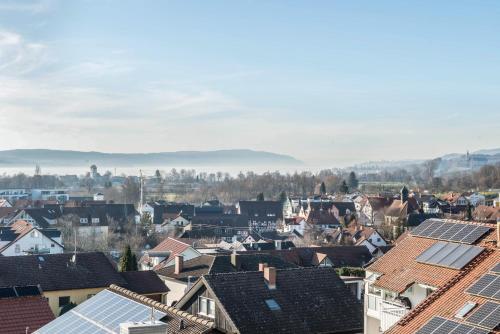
344	188
322	188
260	197
352	181
126	261
283	197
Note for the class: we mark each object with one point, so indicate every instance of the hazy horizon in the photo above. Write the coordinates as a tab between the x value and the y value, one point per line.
336	83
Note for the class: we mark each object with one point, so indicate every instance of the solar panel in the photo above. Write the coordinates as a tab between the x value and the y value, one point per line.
7	292
102	313
496	269
451	255
438	325
487	316
28	290
487	286
441	230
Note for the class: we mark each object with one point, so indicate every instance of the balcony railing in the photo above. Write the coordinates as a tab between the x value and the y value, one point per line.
386	311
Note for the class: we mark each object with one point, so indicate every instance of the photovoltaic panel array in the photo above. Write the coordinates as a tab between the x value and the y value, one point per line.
487	316
487	286
496	269
102	313
438	325
456	232
450	255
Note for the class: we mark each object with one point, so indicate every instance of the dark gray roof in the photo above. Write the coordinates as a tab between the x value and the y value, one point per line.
311	300
261	209
144	282
58	272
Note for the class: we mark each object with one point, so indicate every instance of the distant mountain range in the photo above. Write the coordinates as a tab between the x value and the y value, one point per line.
30	157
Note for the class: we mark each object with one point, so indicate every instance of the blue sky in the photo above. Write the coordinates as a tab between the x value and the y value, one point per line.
329	82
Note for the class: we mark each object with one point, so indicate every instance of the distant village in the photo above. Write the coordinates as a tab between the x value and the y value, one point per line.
326	253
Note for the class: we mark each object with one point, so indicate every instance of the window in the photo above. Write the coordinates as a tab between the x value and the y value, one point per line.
64	301
207	307
273	305
18	248
34	234
465	309
52	245
95	220
83	221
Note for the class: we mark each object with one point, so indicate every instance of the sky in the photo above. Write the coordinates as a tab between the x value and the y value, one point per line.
331	83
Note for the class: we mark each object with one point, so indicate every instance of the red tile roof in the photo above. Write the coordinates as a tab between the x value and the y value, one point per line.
172	245
448	300
16	314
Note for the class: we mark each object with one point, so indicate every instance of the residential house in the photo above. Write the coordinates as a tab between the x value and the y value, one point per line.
164	253
425	261
301	300
366	236
4	203
295	225
21	238
373	212
23	310
6	214
181	277
228	227
488	214
398	211
117	310
39	217
262	215
476	199
323	219
455	199
65	278
467	303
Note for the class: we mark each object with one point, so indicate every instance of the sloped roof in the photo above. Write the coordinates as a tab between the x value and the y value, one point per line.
400	269
304	297
144	282
261	209
17	314
86	315
57	272
451	297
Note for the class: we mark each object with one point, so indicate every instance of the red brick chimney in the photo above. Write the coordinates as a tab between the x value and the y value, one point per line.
270	277
262	266
179	264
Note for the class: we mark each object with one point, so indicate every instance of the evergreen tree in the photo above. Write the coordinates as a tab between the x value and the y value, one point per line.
126	260
283	197
344	188
322	188
260	197
133	263
353	181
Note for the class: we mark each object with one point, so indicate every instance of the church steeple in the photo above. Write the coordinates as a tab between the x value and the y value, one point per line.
404	194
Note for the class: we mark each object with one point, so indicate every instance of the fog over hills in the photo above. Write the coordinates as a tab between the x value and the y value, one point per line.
29	157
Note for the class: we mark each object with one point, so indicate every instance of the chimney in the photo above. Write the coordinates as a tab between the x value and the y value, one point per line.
235	260
262	266
277	244
156	327
179	264
270	277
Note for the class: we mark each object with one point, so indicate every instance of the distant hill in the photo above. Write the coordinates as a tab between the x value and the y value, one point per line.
30	157
449	163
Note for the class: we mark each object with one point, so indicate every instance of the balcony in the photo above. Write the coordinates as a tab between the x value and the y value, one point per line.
386	311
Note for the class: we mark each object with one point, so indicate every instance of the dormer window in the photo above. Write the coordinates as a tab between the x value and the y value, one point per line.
206	307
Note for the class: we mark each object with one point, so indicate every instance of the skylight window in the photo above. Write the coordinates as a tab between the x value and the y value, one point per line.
465	310
273	305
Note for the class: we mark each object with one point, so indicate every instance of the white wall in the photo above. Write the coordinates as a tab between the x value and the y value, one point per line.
177	290
31	240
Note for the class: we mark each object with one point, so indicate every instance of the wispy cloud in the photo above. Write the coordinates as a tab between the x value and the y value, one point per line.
26	6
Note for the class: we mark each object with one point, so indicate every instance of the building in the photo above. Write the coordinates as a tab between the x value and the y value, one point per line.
426	260
301	300
117	310
21	238
262	215
23	310
65	278
468	303
164	253
180	277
